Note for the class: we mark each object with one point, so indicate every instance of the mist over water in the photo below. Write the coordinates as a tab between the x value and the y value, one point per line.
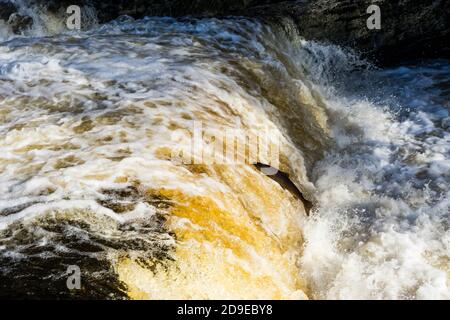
86	176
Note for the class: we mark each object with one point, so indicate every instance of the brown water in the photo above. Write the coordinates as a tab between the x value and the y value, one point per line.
89	126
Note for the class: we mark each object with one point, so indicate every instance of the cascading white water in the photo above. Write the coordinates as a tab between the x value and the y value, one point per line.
382	227
86	121
45	23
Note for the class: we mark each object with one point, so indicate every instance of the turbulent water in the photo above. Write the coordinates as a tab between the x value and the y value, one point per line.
87	178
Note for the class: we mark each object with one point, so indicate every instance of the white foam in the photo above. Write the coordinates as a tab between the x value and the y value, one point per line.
381	229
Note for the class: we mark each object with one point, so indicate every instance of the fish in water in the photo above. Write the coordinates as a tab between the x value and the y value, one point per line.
86	177
285	182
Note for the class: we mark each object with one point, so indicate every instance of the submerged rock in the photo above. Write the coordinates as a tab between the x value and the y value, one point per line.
410	29
6	9
19	23
16	21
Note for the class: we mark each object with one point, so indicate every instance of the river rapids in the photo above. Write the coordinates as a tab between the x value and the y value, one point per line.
87	177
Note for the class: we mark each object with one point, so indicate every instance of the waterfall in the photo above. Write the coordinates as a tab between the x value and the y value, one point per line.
90	122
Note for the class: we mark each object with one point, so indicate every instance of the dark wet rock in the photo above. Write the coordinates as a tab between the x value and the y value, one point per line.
410	29
15	209
35	256
109	10
125	200
6	9
19	23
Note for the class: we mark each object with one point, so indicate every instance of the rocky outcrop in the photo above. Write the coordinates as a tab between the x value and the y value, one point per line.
410	29
6	9
19	23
